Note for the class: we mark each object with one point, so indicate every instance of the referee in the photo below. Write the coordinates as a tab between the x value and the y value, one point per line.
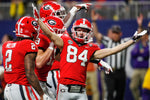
115	81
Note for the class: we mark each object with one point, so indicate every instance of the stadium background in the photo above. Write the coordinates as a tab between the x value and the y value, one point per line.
120	12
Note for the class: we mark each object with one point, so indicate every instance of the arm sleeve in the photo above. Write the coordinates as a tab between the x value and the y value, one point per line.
93	50
96	61
64	37
30	47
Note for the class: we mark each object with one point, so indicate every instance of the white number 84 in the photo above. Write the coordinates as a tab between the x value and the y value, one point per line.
82	56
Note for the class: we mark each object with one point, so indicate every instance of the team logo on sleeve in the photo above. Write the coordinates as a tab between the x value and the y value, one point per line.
51	22
70	42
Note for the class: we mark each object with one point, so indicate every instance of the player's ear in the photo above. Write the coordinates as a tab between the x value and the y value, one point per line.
120	34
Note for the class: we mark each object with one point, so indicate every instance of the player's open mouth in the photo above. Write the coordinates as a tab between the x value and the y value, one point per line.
81	36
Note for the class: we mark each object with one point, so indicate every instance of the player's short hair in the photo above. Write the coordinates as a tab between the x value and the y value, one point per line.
10	37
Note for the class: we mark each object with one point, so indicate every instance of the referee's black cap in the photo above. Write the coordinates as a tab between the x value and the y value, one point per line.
116	29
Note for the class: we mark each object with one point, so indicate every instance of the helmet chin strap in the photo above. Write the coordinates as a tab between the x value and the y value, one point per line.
81	38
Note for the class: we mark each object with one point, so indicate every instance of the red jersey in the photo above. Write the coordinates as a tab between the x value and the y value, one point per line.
43	43
74	60
55	65
13	58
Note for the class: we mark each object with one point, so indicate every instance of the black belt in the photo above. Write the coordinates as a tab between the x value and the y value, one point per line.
75	88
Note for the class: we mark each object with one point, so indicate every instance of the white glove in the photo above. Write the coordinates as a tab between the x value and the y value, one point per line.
46	97
106	66
138	35
83	6
79	7
73	11
51	46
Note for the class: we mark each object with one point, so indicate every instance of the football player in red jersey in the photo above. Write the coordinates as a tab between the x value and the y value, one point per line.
51	8
45	54
75	54
19	62
54	9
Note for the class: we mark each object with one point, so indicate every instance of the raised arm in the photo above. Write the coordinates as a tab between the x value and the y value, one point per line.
109	51
43	57
52	36
94	17
139	22
68	19
29	62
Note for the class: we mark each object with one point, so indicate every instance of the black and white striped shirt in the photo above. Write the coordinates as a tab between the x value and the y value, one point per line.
116	61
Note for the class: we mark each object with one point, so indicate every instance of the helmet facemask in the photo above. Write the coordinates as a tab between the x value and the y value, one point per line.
61	13
59	31
84	26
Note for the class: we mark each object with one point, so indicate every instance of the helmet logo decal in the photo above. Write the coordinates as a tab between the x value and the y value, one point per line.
51	22
34	23
47	7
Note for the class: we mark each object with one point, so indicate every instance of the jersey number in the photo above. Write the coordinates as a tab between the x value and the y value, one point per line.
72	55
8	67
32	46
37	42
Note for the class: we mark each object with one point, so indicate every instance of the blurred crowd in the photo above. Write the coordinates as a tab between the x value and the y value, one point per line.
75	0
121	9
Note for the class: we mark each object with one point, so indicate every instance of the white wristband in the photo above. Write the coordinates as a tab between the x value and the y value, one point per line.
102	62
73	11
51	48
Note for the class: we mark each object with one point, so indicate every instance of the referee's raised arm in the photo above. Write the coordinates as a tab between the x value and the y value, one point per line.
94	17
